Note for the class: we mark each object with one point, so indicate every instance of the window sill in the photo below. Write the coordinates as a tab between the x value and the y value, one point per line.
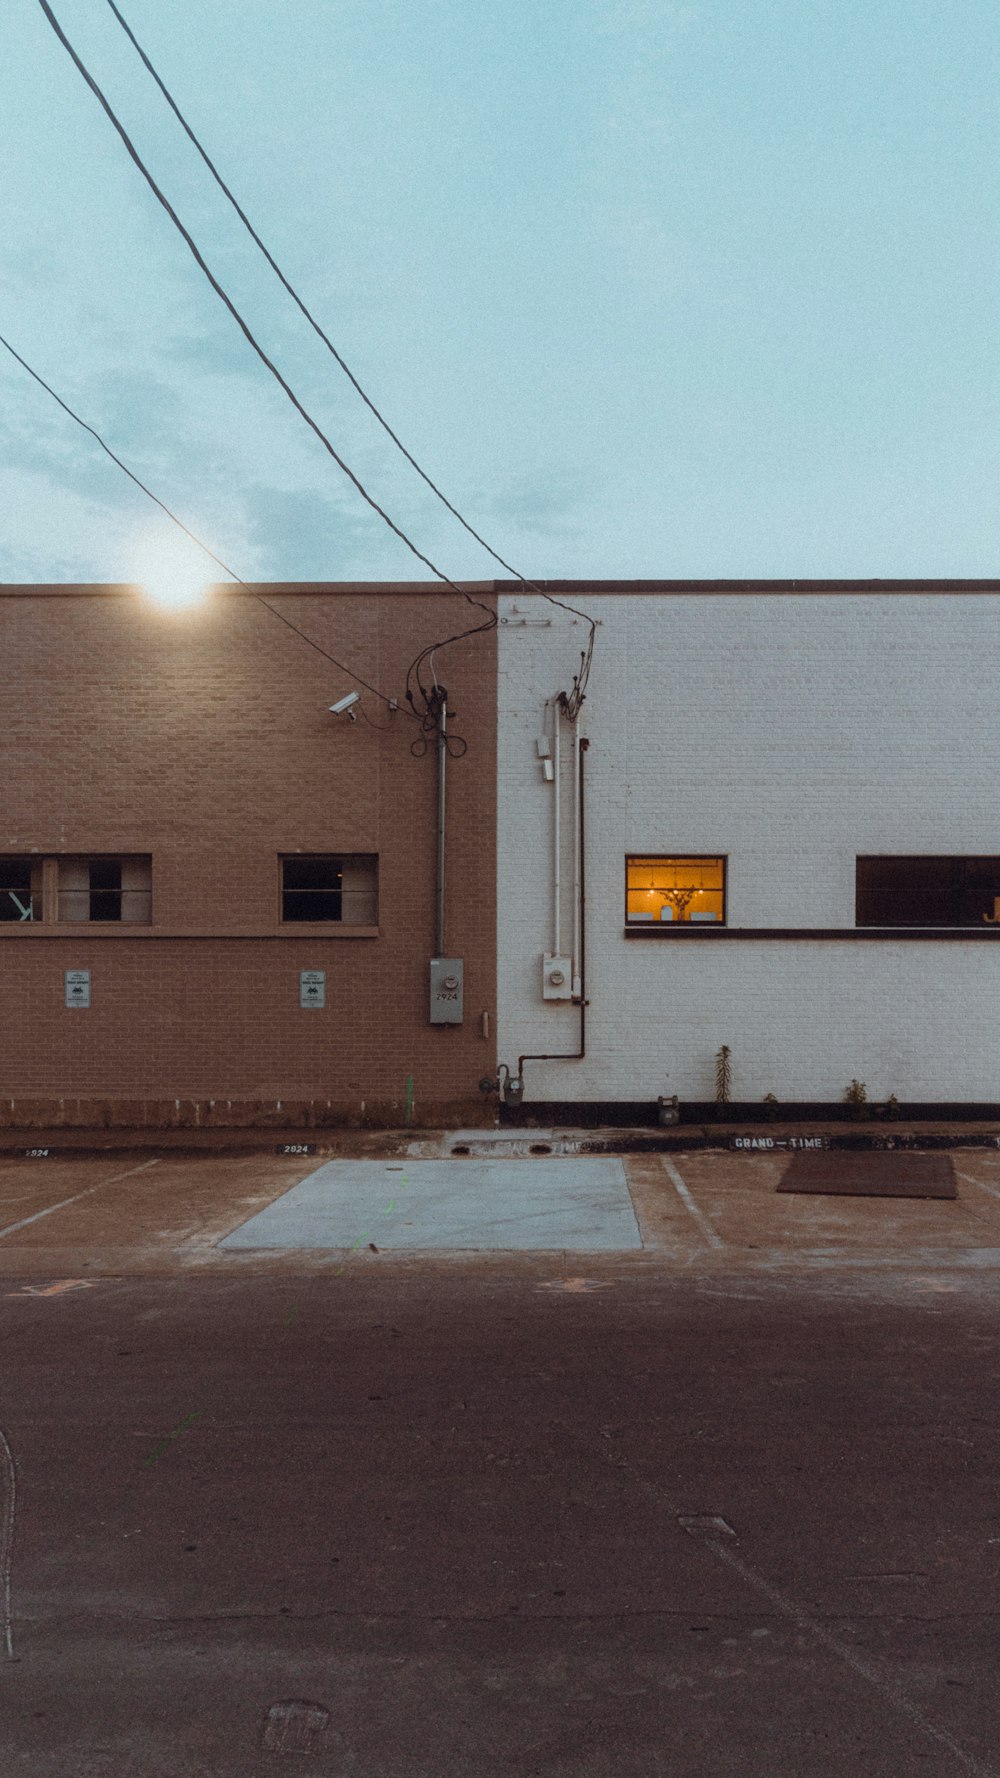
85	930
978	934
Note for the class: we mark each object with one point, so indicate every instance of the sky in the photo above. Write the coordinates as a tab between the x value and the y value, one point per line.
650	289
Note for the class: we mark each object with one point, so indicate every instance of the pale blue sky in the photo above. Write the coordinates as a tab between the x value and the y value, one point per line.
651	289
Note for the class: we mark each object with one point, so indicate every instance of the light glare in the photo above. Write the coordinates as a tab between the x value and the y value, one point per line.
170	571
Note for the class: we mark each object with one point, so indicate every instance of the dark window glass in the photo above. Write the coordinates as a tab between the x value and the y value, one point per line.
312	873
915	891
15	889
105	889
312	889
343	888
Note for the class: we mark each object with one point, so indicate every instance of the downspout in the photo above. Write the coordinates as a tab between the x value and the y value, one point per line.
575	975
557	833
442	756
578	1054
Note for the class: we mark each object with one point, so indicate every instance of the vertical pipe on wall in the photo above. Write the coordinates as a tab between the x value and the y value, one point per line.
556	834
575	977
578	1054
442	756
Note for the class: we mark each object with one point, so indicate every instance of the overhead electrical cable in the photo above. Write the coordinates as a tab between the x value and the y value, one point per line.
189	533
328	343
244	328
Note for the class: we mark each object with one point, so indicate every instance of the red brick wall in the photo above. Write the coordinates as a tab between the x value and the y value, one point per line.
205	740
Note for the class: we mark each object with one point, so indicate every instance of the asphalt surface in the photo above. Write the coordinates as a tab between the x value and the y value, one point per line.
500	1520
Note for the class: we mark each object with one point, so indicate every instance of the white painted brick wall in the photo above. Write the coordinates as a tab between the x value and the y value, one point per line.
790	732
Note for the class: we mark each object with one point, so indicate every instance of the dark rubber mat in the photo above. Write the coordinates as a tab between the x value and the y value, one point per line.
871	1175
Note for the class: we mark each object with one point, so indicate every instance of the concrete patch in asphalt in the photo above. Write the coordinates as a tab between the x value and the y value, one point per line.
473	1205
294	1726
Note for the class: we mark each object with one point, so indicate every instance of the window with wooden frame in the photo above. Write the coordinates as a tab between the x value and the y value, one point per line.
341	887
20	889
95	890
77	890
675	889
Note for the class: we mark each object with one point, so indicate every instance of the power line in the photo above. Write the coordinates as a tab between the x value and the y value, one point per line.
189	533
328	343
122	466
241	323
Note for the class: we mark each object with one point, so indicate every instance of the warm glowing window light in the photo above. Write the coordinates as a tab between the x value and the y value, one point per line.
170	570
675	889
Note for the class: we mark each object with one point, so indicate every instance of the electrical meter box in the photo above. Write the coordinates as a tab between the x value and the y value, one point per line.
447	986
557	977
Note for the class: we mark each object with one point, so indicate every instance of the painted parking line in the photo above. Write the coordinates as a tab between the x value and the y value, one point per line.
59	1289
698	1215
7	1539
575	1286
12	1227
720	1539
993	1190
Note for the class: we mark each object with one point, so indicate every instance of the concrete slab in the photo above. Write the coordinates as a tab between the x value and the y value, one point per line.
474	1205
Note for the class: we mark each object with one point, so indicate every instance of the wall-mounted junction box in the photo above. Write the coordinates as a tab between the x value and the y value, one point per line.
557	977
447	988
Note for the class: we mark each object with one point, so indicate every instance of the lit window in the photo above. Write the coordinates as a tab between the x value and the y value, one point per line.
675	890
342	888
20	888
102	889
928	891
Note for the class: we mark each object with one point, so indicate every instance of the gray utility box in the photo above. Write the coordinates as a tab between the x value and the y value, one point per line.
447	989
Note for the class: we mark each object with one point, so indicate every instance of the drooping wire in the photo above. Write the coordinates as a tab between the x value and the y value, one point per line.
574	698
454	745
413	670
268	363
187	531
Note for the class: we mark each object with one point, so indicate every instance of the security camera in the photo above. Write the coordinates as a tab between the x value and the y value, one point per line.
346	704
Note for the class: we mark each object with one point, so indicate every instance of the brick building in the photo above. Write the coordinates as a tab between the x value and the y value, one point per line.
773	826
187	829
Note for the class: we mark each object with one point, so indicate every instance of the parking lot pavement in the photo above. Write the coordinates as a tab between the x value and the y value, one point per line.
499	1525
149	1211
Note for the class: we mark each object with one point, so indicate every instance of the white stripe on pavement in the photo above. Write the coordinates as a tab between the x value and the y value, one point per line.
12	1227
7	1543
690	1206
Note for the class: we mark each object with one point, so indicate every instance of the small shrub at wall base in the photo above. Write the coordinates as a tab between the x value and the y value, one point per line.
856	1099
771	1107
891	1107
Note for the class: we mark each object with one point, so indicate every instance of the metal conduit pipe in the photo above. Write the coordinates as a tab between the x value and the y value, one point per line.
442	756
575	972
557	832
576	1055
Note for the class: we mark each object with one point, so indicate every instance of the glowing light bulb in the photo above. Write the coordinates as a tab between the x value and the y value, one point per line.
170	570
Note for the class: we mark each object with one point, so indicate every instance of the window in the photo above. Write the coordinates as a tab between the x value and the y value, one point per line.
342	888
76	890
927	891
100	889
675	890
20	888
